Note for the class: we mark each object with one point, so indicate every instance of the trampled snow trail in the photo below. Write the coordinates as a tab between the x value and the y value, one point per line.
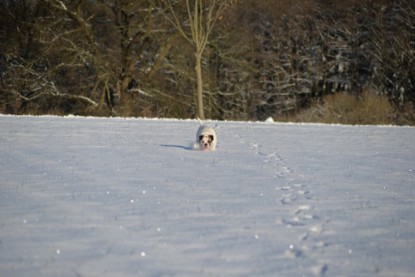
117	197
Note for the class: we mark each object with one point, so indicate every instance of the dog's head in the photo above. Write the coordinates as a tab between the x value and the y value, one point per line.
207	139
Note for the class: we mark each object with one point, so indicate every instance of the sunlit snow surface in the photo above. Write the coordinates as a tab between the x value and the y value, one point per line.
118	197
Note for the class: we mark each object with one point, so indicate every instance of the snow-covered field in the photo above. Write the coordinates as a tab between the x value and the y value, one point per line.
118	197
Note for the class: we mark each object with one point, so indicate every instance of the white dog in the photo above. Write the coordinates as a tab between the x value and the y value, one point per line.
206	138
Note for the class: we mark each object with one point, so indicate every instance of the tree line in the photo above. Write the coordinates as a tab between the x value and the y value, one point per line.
259	58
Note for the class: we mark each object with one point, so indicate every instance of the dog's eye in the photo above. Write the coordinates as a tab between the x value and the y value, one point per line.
200	137
210	138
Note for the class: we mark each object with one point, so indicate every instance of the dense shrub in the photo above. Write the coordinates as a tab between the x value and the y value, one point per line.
368	108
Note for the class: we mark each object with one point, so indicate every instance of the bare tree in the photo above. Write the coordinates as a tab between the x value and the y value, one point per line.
36	83
25	79
108	38
202	16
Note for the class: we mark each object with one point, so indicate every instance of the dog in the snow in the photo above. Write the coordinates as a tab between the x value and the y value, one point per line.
206	138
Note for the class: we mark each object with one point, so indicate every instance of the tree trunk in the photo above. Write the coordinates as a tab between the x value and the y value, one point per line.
200	112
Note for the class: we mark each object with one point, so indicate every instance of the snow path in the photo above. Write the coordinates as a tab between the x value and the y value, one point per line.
117	197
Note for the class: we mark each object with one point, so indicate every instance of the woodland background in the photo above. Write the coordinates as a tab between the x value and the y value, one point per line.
346	61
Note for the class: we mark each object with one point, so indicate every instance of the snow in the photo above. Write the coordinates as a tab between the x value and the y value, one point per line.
128	197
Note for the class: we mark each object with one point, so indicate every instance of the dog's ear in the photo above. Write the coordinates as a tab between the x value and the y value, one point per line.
211	138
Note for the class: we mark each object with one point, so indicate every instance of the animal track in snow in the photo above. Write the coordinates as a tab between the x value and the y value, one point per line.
299	213
302	217
271	158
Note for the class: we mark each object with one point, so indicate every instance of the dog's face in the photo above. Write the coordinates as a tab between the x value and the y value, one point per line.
206	138
206	141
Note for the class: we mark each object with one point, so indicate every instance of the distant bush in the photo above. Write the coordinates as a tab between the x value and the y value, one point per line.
368	108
